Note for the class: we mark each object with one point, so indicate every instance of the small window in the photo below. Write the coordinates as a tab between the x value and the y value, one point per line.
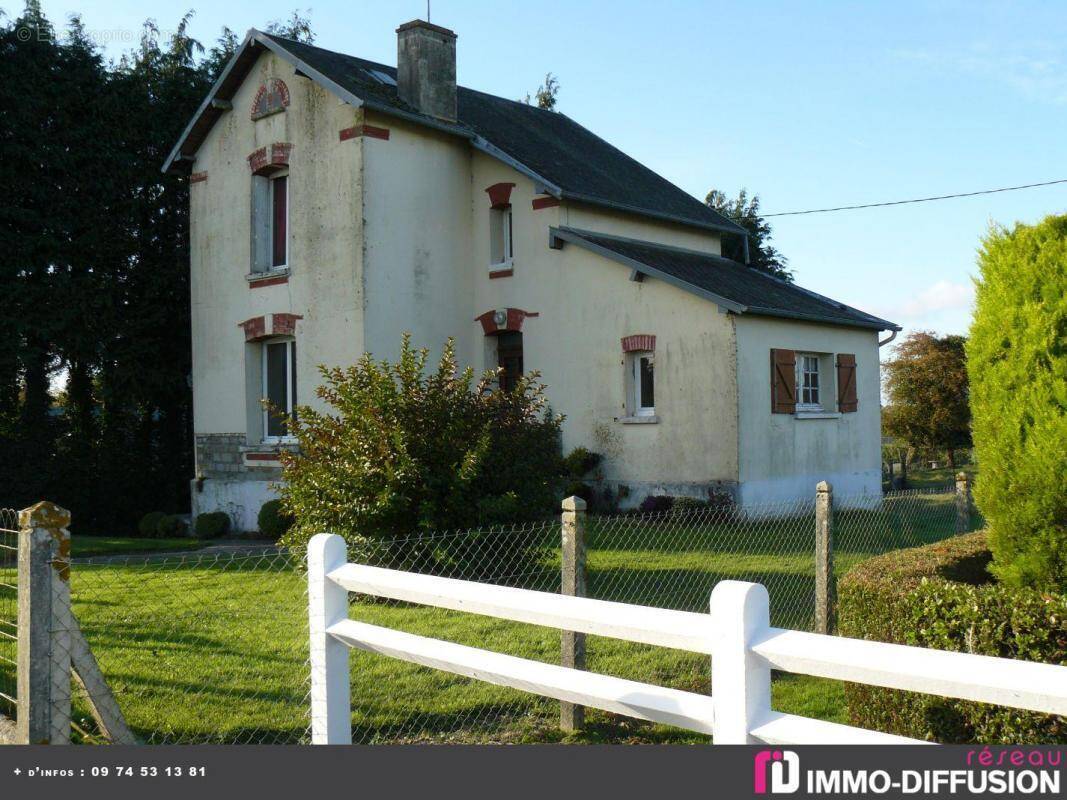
501	251
509	359
642	384
809	386
279	388
270	222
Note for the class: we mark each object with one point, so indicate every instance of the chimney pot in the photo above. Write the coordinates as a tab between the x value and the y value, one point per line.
426	68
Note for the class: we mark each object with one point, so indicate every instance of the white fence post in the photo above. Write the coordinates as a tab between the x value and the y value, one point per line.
331	703
740	679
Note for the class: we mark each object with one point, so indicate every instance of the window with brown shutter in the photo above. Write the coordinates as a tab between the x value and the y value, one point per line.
783	382
846	383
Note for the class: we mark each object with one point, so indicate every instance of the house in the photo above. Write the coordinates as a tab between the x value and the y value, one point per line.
337	203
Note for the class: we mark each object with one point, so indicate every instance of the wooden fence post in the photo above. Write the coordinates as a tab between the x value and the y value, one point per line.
572	645
44	636
331	702
963	502
740	679
824	557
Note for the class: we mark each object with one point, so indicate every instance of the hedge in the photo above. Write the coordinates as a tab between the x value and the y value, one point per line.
942	596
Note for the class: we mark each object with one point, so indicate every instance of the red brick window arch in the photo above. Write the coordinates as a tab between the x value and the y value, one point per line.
272	98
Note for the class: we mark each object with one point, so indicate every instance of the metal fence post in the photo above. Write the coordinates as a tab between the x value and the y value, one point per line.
572	645
824	557
740	680
963	502
44	672
331	702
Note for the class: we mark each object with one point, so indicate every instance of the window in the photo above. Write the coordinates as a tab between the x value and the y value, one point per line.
642	381
279	388
808	386
270	222
509	358
500	238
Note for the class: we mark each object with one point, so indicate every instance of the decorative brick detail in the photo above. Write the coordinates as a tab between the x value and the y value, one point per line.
198	177
639	341
271	98
544	202
218	455
500	194
356	131
255	328
502	273
284	324
275	156
513	319
277	280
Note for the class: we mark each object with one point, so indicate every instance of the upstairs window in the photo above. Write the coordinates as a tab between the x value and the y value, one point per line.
270	222
501	251
808	382
279	388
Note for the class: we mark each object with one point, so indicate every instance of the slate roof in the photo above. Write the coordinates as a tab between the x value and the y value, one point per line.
573	162
732	285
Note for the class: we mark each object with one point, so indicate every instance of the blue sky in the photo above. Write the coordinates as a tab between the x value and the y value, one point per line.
807	104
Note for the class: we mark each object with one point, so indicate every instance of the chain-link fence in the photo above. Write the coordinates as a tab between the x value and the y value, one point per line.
8	610
212	647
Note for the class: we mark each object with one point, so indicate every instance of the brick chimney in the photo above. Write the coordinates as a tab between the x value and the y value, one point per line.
426	68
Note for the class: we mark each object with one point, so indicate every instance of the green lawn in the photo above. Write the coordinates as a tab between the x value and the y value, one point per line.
92	546
938	478
215	652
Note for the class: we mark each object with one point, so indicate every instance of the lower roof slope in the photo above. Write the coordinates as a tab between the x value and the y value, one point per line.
732	285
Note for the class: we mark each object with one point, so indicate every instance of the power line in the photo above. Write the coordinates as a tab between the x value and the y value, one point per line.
916	200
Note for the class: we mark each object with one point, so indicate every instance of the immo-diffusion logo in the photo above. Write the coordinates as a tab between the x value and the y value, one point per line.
784	769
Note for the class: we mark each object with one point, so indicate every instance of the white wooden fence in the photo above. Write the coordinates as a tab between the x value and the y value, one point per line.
743	646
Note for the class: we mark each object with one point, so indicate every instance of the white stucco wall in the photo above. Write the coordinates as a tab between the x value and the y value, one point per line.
325	224
781	456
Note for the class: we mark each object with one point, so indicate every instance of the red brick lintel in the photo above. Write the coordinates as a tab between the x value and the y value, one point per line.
275	281
357	131
502	273
545	202
262	456
198	177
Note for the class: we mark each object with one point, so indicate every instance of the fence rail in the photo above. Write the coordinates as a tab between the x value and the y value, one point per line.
737	634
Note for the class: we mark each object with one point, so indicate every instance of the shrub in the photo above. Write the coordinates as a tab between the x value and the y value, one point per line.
941	596
402	451
580	489
1017	362
273	521
148	527
171	526
684	506
212	525
580	462
657	503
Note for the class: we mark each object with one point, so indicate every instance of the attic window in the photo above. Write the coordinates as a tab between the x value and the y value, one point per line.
381	77
271	98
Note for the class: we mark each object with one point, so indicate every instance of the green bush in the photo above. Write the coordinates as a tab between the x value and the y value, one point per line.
403	451
148	527
580	462
580	489
171	526
273	520
941	596
212	525
1017	363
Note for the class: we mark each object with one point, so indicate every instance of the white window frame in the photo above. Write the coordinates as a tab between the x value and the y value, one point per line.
636	407
271	266
801	363
506	222
289	381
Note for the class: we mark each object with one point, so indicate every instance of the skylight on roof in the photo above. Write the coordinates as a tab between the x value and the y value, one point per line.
382	77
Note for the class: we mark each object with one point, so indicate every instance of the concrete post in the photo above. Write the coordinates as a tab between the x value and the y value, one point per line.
572	645
824	557
963	502
331	702
44	631
740	679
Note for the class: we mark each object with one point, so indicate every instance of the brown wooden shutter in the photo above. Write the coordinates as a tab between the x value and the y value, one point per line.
783	382
846	383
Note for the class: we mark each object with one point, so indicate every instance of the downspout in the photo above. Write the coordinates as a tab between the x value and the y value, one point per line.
744	248
892	336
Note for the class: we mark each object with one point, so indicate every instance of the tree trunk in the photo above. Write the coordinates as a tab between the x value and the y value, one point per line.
951	457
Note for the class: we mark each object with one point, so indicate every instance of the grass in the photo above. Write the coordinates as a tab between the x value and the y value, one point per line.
94	546
215	652
937	478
